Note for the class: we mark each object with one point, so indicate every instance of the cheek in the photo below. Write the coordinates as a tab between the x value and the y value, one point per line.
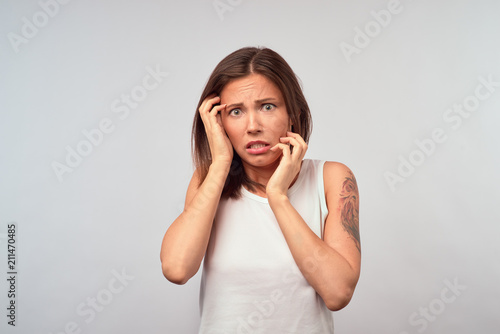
232	131
280	127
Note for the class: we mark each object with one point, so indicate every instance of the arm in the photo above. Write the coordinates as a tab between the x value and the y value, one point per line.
332	265
186	240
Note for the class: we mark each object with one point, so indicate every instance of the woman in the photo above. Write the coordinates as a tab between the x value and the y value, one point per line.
279	234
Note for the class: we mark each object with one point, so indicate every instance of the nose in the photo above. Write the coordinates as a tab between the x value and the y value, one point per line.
254	122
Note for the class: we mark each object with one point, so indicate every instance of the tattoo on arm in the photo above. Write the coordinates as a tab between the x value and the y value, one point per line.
349	208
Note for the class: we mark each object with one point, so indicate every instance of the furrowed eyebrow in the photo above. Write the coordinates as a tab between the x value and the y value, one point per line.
269	99
239	104
234	105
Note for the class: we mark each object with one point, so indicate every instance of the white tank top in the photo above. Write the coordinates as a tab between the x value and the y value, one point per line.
250	282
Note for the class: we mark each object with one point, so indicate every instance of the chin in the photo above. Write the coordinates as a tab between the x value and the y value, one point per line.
263	160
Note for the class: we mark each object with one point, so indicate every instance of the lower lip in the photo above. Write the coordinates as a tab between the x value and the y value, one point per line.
259	150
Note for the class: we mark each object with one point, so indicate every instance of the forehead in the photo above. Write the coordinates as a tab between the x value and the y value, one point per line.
253	86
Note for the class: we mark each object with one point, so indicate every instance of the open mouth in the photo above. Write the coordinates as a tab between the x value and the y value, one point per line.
257	147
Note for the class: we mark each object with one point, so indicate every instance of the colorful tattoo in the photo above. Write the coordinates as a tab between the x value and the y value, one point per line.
349	208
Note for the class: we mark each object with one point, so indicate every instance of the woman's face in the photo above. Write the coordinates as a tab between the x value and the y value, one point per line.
254	119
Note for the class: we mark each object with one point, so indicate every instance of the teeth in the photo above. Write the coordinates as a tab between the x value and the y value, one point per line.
257	145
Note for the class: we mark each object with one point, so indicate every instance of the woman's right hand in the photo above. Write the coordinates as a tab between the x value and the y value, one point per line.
220	145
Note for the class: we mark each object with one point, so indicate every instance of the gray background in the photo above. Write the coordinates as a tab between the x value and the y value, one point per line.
107	216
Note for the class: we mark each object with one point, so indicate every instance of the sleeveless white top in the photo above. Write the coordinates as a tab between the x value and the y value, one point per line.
250	282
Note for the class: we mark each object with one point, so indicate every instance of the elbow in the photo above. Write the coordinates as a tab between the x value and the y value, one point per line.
175	274
339	299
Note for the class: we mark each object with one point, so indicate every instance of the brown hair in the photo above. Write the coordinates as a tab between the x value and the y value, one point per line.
239	64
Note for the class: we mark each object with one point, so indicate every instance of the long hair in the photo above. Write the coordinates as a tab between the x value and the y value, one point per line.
239	64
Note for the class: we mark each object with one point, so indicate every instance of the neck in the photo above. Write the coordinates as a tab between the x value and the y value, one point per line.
262	175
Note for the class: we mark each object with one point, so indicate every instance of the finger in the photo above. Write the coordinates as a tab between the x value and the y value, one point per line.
296	136
203	105
211	116
206	105
297	146
209	101
218	117
290	140
216	109
283	147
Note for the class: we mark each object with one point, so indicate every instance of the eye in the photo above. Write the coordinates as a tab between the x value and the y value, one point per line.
235	112
268	106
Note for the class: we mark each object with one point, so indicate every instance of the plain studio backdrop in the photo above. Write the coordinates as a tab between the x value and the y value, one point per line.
97	102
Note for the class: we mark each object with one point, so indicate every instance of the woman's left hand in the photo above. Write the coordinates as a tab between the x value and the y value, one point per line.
289	166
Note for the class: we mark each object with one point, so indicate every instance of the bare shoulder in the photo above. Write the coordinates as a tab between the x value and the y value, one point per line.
336	175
